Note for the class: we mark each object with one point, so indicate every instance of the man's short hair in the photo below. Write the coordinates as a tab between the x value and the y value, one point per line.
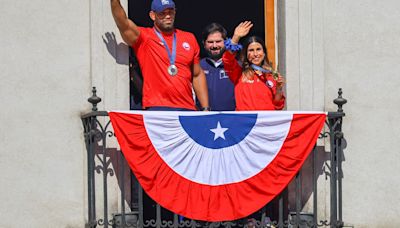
212	28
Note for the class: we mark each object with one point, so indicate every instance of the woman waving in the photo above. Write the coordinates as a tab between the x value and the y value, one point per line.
257	86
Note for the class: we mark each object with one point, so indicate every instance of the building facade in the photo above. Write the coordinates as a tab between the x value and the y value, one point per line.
53	53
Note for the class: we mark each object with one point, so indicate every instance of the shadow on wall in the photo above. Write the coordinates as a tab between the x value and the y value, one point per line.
114	48
111	163
136	79
116	167
322	170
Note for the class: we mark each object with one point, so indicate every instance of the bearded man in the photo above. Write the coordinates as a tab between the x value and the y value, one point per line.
220	88
169	58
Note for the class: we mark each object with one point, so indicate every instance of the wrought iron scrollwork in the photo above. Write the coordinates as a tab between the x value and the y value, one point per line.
96	135
103	222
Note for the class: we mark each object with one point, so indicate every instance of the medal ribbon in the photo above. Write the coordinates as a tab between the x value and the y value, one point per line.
171	57
255	67
265	71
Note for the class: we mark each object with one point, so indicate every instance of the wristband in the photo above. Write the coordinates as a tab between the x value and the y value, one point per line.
205	109
232	47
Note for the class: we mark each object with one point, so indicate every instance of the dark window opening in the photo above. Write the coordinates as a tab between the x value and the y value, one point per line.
193	16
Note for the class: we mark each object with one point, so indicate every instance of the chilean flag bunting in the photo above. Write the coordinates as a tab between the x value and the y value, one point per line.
215	166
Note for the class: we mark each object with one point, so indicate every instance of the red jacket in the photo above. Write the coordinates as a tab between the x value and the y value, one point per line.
255	94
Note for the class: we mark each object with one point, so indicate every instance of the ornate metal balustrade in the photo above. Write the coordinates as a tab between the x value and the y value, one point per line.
106	164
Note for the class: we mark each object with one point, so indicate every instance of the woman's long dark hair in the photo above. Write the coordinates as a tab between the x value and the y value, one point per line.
246	64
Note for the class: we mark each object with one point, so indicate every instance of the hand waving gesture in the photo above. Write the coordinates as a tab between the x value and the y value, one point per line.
241	30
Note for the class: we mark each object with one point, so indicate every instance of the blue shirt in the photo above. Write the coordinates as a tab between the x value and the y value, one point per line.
221	96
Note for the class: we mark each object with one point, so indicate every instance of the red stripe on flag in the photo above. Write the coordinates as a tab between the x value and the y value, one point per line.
214	203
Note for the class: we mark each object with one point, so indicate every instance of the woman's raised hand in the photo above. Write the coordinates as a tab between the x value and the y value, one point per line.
241	30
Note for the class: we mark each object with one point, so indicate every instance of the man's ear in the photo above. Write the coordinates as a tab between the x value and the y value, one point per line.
152	15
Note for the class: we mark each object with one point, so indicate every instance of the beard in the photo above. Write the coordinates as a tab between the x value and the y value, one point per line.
215	56
165	27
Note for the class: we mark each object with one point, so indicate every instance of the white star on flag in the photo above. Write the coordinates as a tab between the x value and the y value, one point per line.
219	131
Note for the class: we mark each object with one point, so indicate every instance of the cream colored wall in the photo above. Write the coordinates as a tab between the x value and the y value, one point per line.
52	53
353	45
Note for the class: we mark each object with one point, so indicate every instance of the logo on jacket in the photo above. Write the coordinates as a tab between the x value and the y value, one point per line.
186	46
270	84
222	74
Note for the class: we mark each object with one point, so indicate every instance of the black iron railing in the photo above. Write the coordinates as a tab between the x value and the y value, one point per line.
106	163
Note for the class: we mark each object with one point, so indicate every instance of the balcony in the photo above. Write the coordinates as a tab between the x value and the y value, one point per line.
115	199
